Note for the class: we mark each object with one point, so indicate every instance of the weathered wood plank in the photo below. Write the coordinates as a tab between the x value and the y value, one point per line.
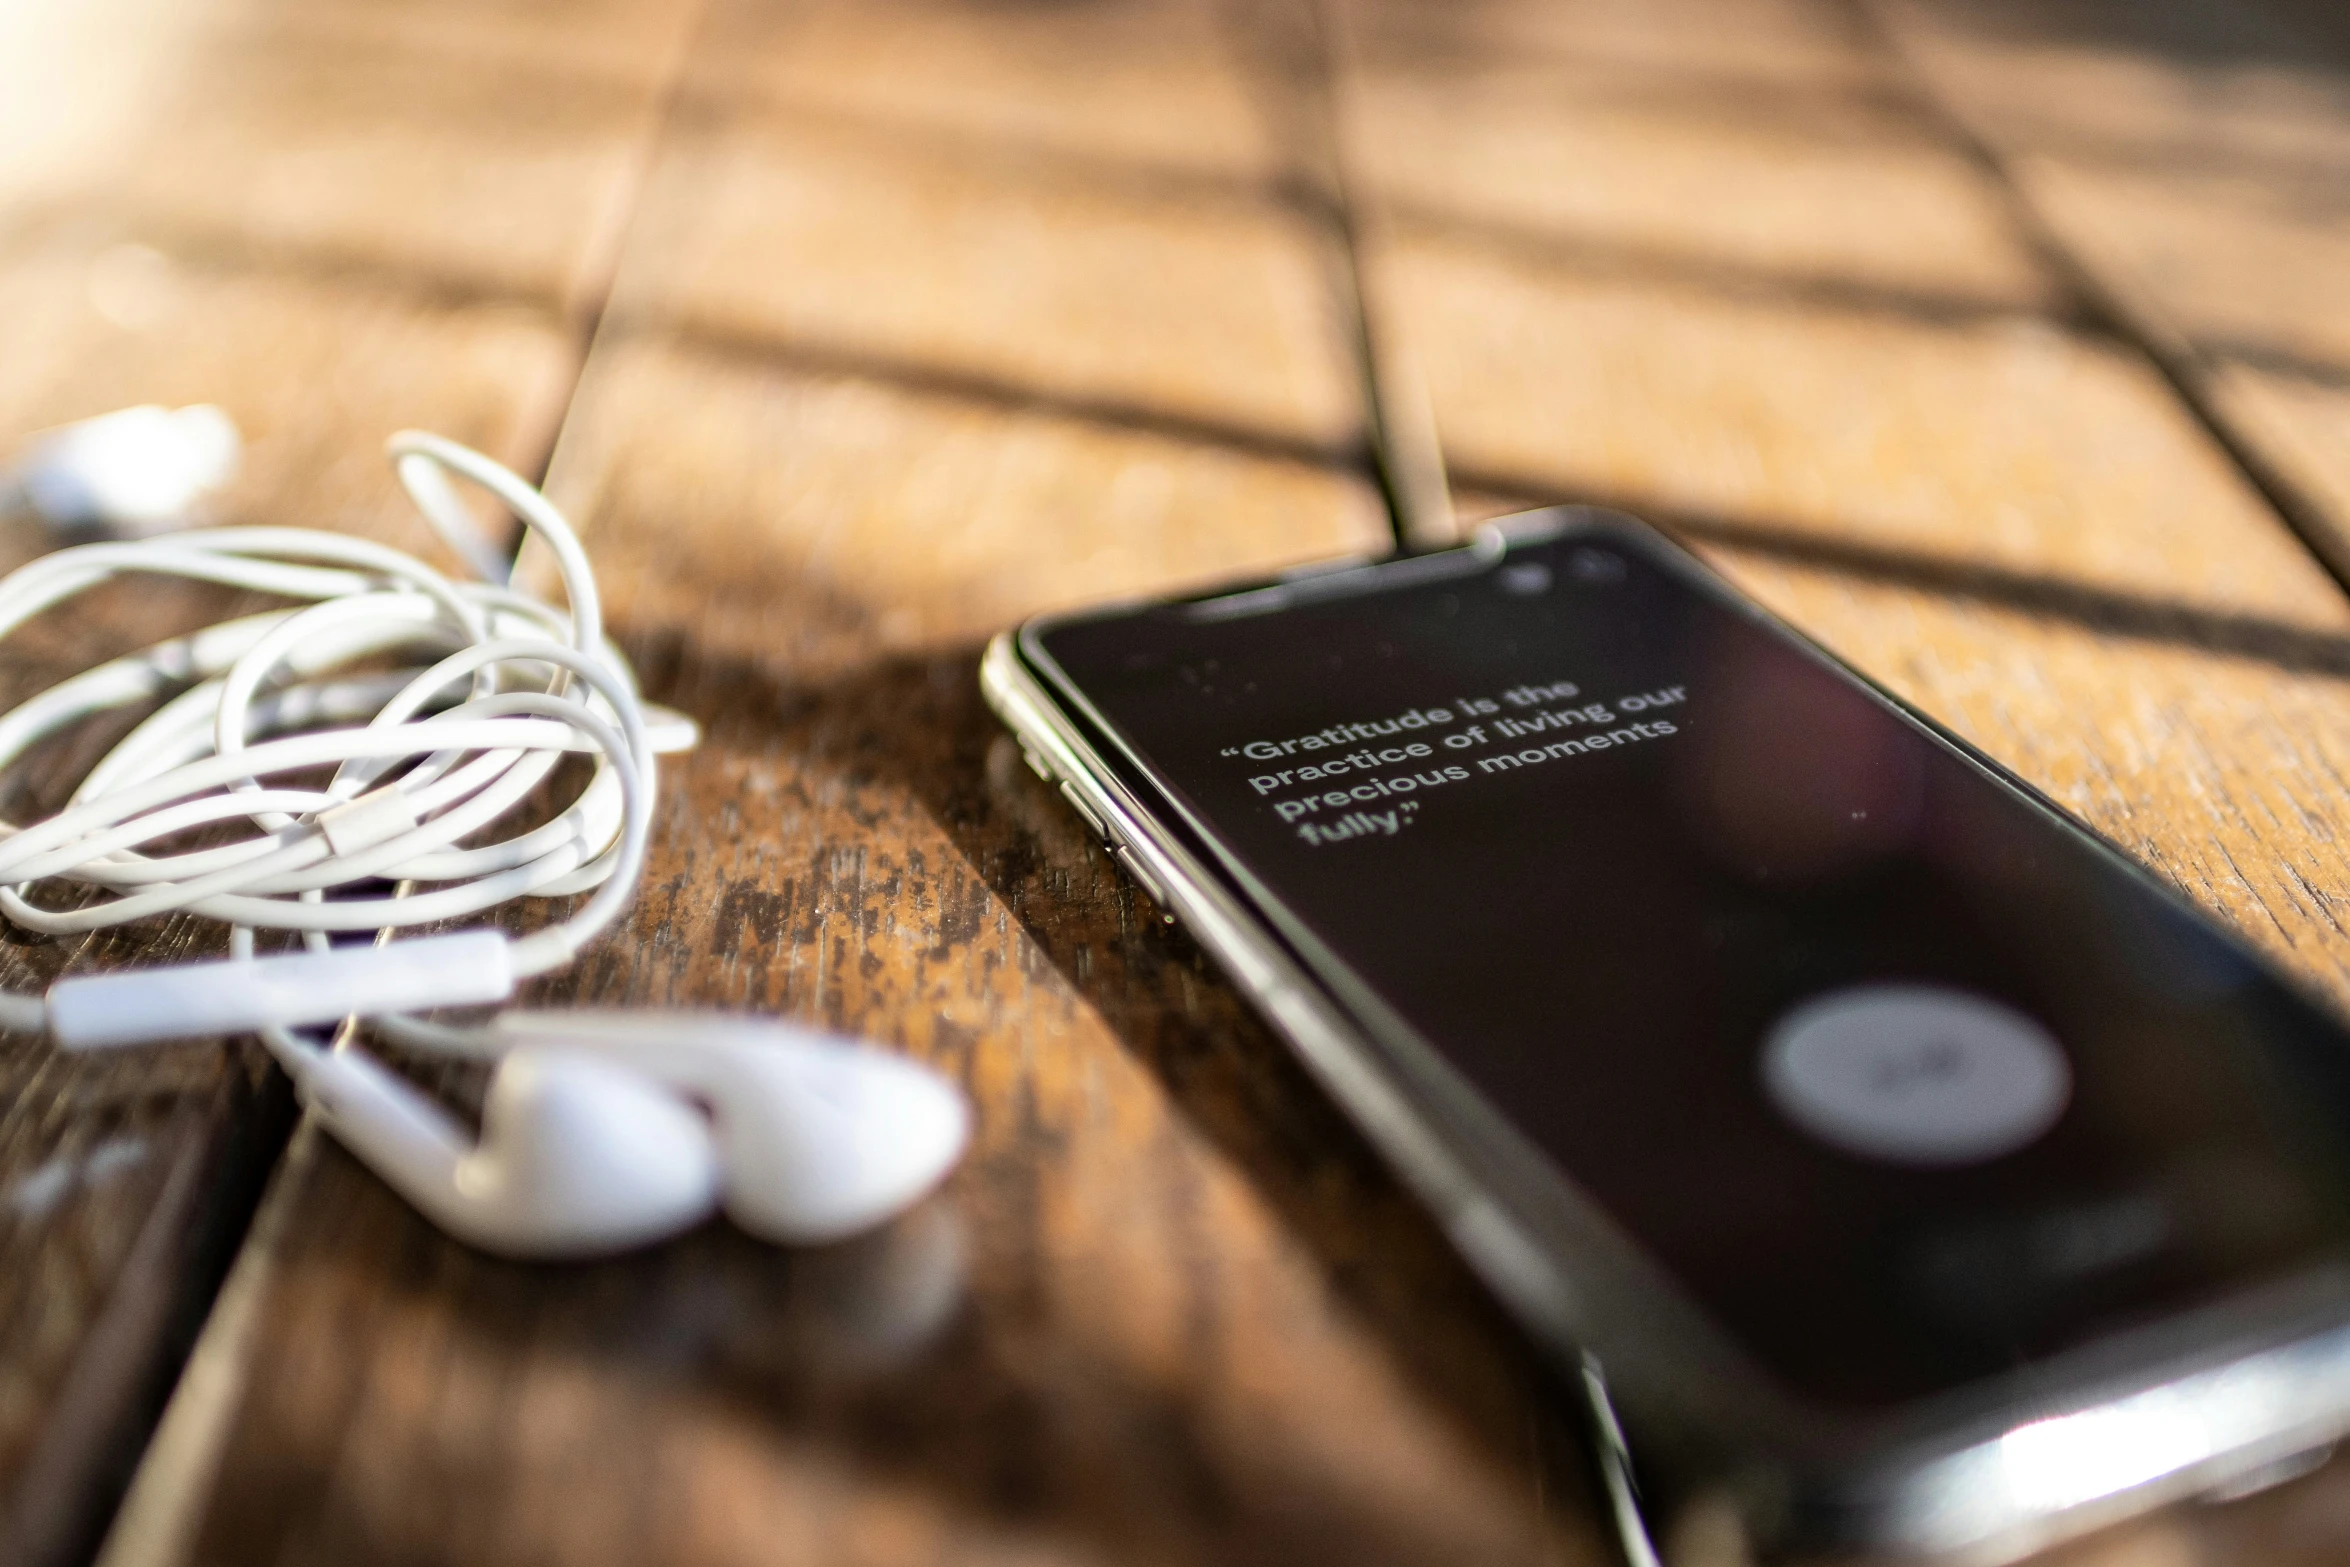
931	242
886	369
1900	435
2190	158
134	267
1754	148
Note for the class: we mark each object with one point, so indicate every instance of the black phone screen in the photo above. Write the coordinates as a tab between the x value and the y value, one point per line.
1904	1077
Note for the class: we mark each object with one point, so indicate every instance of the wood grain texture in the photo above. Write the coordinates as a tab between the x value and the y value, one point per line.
884	371
1754	148
328	217
2191	157
138	264
2003	515
935	243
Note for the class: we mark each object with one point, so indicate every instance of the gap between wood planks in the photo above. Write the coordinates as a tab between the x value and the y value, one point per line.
2114	303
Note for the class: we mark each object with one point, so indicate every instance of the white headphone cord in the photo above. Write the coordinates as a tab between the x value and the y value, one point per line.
440	707
378	757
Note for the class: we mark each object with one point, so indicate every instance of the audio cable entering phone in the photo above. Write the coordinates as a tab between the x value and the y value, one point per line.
374	759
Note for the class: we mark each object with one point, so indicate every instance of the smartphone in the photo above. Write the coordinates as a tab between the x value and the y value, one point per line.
1901	1171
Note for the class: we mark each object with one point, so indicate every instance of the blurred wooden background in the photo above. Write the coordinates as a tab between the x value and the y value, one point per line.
2003	346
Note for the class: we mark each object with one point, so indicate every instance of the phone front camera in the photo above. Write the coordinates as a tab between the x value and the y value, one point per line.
1596	566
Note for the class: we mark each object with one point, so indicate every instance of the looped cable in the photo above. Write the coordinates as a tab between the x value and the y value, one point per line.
387	728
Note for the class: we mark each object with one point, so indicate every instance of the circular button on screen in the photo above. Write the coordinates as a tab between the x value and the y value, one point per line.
1914	1074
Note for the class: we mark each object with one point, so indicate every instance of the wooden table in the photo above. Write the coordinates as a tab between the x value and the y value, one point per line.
2003	346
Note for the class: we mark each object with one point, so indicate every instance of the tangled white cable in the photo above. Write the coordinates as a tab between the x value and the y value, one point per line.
488	689
353	764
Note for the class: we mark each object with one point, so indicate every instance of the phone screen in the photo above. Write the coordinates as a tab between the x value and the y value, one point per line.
1906	1079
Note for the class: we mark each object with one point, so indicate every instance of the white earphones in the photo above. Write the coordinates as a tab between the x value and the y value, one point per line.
135	471
591	1139
437	708
602	1131
819	1138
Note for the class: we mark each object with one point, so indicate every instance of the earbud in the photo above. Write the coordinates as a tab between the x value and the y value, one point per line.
578	1156
824	1139
135	471
820	1138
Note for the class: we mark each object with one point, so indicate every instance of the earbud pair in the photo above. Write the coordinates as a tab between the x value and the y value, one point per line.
603	1131
394	727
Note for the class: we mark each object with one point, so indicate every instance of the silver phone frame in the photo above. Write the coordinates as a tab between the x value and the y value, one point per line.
1980	1477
